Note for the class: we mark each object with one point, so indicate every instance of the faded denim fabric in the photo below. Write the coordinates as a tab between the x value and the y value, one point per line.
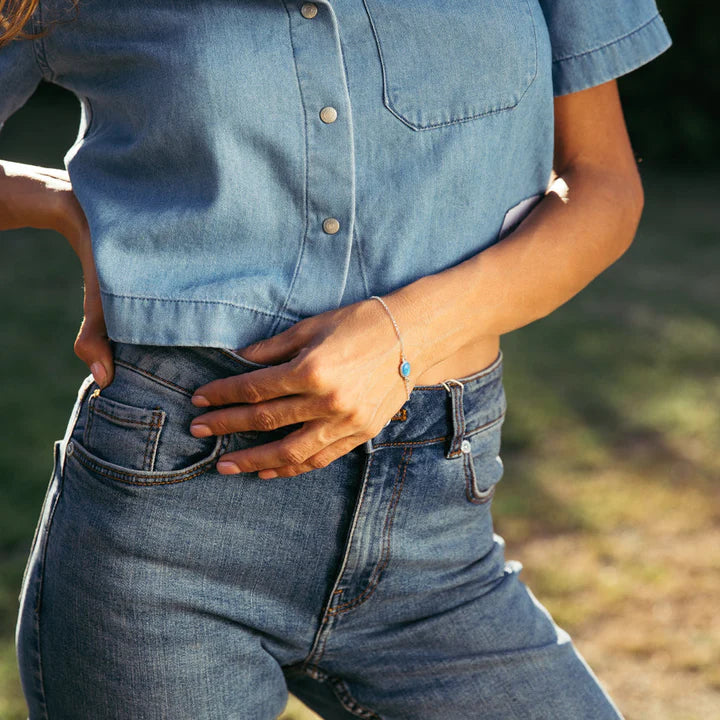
372	588
206	171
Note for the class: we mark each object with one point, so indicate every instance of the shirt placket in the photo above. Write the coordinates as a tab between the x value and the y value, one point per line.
322	269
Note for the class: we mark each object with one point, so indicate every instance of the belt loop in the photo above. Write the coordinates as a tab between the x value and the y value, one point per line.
455	390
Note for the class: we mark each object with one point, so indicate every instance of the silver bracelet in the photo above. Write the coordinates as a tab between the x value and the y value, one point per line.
404	366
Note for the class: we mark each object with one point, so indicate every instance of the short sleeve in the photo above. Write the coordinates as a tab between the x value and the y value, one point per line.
19	76
594	41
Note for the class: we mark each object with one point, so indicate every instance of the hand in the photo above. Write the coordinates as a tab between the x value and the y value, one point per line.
336	373
92	345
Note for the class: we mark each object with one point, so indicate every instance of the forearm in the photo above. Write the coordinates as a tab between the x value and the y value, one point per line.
32	196
568	239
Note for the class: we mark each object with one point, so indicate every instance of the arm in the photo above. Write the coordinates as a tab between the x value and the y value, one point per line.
585	222
42	198
338	370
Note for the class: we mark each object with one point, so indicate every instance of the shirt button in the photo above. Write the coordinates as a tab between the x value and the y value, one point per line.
309	10
465	446
328	114
70	448
331	225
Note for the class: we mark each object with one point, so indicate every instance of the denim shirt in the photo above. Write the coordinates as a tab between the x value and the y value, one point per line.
247	163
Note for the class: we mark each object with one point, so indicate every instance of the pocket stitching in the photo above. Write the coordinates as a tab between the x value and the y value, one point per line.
472	492
478	497
153	437
96	465
388	101
154	426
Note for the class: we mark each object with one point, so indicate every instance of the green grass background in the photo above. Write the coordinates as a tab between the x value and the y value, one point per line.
610	495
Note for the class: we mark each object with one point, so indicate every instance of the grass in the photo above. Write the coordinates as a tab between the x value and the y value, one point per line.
610	496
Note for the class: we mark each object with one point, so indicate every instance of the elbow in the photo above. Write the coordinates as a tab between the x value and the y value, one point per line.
629	208
636	198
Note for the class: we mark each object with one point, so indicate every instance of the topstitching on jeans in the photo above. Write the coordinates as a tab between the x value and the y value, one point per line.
339	688
169	477
156	378
439	438
342	692
387	530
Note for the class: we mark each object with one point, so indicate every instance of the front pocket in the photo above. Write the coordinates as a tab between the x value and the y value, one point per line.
122	434
445	63
483	465
116	473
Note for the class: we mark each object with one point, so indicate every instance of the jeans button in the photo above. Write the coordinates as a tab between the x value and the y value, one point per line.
465	446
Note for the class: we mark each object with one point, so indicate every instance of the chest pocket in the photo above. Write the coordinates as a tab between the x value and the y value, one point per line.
445	63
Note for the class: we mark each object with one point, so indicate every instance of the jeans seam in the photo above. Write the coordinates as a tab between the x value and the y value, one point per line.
387	532
37	605
90	418
402	443
442	438
152	439
318	649
342	692
485	426
152	376
124	421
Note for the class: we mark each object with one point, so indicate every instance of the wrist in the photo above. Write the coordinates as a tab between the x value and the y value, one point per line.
404	367
413	336
435	319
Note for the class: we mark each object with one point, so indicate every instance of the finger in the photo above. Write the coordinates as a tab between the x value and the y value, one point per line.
275	349
93	348
265	416
294	449
320	460
252	387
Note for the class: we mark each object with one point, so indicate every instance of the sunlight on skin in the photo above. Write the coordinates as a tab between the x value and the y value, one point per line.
560	188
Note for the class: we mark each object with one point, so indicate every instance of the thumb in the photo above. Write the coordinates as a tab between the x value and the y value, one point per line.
276	349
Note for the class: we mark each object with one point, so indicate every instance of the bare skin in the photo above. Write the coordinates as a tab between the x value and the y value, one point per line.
337	373
42	198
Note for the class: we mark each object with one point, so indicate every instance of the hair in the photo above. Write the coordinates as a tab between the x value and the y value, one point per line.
14	17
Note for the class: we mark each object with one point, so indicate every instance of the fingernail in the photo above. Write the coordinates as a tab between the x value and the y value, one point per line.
98	372
200	401
267	474
199	430
227	468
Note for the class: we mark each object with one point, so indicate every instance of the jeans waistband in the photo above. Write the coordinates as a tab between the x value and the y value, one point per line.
447	412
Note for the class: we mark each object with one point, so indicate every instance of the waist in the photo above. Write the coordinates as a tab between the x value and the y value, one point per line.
468	360
431	413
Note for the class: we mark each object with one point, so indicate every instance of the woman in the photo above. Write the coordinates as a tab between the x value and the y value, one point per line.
354	196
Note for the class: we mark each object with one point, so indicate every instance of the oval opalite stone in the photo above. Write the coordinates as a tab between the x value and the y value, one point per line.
405	369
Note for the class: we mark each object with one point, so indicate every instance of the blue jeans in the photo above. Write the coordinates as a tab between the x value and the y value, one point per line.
373	588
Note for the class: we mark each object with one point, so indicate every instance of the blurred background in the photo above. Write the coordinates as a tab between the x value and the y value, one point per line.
610	496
